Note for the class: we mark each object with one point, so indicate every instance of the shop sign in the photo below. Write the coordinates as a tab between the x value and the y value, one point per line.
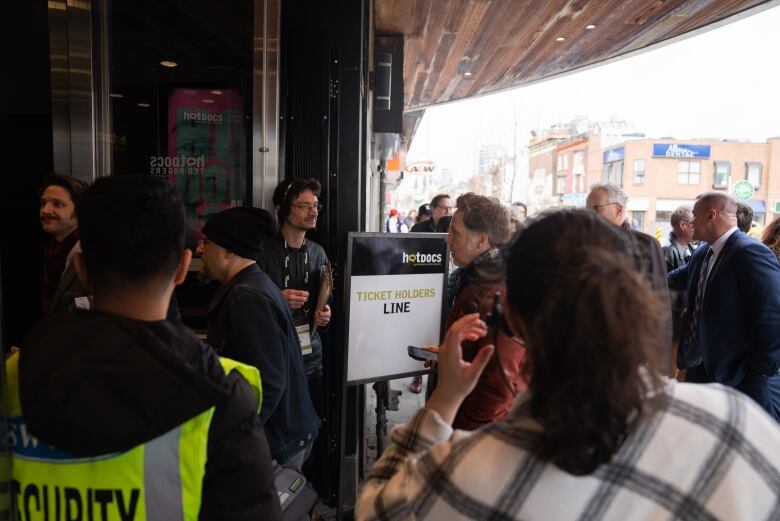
421	167
743	190
677	151
615	154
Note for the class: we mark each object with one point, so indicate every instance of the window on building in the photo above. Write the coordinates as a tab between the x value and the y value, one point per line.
753	173
563	163
617	173
688	172
579	183
638	220
578	156
561	188
613	173
722	172
639	171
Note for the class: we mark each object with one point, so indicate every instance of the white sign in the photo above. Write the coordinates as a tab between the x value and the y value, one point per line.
397	285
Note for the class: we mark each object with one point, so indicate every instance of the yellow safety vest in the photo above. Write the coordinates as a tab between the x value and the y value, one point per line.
159	480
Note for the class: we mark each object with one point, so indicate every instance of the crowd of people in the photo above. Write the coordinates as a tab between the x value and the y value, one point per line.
572	363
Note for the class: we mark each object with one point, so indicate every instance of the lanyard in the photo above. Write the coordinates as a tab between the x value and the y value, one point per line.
287	274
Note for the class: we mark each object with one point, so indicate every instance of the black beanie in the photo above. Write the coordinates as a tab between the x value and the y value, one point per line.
241	230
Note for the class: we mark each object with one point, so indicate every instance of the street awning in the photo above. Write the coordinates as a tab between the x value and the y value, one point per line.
757	205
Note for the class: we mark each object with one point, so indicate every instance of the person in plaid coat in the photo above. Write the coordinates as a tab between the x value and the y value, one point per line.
599	434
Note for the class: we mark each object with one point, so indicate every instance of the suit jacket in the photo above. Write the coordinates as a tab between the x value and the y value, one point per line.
739	324
68	289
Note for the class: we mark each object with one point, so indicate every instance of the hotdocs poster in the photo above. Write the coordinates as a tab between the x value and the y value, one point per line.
397	286
206	158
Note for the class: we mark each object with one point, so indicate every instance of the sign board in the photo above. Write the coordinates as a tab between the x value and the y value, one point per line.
206	158
743	190
677	151
615	154
396	287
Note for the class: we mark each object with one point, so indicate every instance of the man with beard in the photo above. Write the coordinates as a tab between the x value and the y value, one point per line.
250	322
60	195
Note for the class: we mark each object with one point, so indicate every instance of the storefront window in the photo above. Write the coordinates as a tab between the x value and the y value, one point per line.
753	173
722	171
639	171
180	76
688	172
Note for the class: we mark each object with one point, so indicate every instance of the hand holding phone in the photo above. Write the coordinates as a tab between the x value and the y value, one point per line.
421	354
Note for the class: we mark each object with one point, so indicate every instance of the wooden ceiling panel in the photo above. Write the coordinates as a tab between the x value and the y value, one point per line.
509	43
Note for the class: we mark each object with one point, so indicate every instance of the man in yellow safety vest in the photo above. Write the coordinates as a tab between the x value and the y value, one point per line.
117	413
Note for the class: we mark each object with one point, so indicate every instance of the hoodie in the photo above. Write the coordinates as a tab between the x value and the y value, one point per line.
92	383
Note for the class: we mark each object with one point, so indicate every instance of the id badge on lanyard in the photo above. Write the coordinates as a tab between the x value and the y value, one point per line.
304	335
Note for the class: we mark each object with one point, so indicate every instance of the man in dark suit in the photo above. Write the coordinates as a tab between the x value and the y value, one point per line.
732	323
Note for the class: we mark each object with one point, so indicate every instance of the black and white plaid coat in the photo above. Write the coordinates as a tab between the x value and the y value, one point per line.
709	453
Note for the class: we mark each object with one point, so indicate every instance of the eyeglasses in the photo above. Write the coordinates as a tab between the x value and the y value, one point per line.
597	207
308	207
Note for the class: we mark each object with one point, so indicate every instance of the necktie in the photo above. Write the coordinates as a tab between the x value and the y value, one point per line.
705	268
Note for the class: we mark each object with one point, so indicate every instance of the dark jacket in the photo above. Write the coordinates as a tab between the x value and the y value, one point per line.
307	260
676	256
249	321
492	398
427	226
68	289
739	323
94	384
649	261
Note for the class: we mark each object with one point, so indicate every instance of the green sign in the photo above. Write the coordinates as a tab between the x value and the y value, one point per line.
743	190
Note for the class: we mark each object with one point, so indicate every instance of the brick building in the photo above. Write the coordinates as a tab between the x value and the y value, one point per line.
661	174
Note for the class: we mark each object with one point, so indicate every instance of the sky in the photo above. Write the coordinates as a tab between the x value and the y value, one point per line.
722	84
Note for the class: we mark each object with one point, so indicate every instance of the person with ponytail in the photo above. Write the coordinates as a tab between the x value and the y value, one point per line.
600	433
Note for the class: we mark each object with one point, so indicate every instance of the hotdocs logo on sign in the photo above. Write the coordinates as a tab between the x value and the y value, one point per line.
675	151
421	259
616	154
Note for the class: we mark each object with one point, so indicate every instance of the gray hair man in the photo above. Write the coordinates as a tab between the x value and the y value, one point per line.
610	201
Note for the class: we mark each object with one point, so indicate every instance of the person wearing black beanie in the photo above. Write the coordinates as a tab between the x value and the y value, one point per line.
249	321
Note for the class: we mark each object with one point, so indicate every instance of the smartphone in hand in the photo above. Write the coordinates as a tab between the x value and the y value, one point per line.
421	354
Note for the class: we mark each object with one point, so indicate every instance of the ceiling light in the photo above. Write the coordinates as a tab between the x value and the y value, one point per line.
216	92
207	100
467	74
144	105
560	39
169	64
116	95
590	27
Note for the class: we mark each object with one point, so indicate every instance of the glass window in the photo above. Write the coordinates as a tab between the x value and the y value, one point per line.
639	171
613	173
753	173
638	220
561	188
181	98
579	183
578	157
721	176
617	173
688	172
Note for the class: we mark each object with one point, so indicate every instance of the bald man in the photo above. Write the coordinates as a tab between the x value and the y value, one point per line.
731	328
